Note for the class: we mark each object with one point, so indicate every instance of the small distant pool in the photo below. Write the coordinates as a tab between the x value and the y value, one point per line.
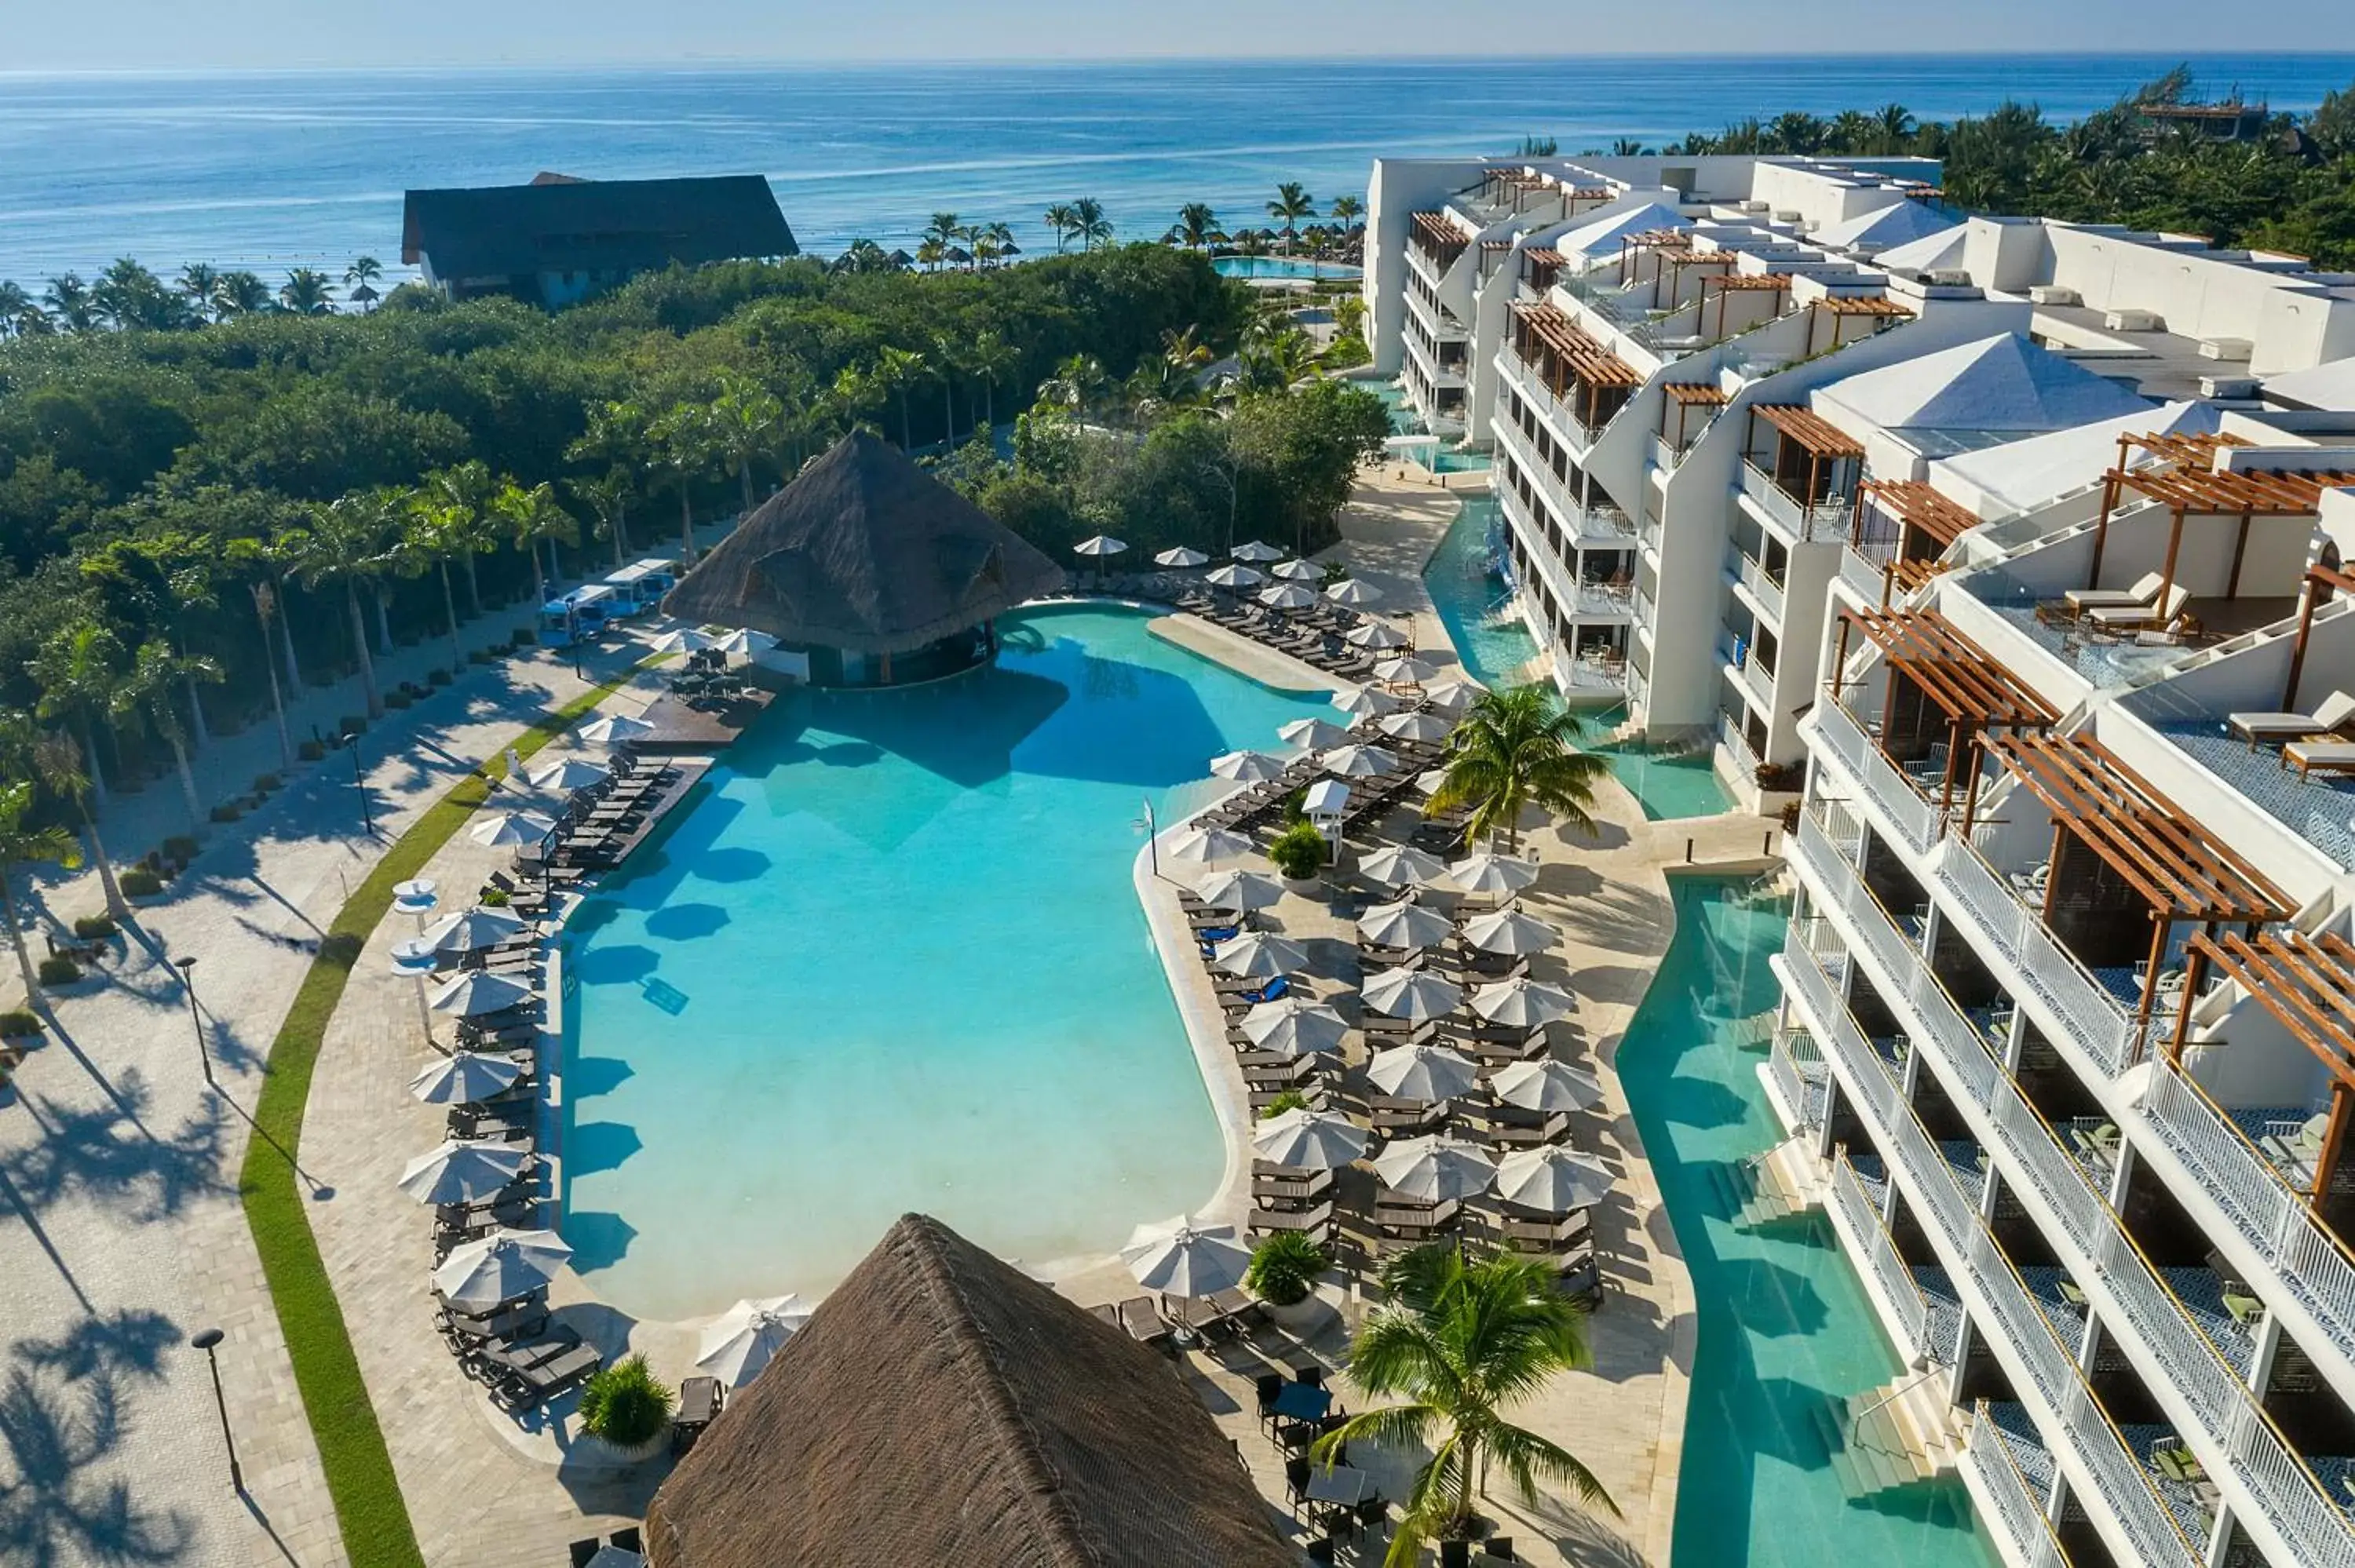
1785	1329
1405	421
1463	589
1669	785
1279	267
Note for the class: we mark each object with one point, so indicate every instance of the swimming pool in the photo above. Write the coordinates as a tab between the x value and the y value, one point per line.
1405	421
1669	785
892	958
1279	267
1785	1326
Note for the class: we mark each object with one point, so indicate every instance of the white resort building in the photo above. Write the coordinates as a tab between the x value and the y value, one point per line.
2016	553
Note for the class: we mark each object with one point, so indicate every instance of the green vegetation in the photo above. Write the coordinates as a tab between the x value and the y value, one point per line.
1298	851
141	882
1283	1268
625	1403
58	969
1514	749
94	928
23	844
19	1023
1290	1100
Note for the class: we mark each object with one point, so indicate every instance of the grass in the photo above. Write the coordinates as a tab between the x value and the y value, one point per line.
369	1511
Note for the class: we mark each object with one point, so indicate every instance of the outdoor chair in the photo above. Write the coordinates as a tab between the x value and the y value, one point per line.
629	1540
1270	1384
1499	1547
2310	756
582	1551
2143	591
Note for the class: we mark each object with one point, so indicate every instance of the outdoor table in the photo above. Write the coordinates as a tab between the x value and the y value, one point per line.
1299	1402
1340	1484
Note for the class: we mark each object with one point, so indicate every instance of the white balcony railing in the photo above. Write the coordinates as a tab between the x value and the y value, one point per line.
2096	1022
1913	818
1853	1215
2019	1518
1763	590
1823	520
1648	532
1568	428
1867	577
1737	744
1751	677
1596	522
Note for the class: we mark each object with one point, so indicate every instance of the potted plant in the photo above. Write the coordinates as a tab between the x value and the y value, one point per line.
1284	1271
1298	854
20	1023
57	971
628	1408
140	882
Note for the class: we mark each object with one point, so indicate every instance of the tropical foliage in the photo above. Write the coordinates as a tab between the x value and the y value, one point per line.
1514	749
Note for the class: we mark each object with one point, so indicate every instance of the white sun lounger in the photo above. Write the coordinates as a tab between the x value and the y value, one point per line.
2330	715
2328	756
2127	617
2144	589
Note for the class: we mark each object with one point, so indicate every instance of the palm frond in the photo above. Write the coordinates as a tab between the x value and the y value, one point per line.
1528	1458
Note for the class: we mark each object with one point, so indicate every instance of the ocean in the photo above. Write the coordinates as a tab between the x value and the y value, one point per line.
275	170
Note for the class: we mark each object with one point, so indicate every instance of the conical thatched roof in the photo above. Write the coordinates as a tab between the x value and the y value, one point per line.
942	1407
863	551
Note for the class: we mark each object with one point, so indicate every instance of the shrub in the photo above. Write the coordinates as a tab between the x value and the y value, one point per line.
494	899
481	656
58	969
264	783
310	751
1290	1100
437	677
19	1024
1283	1268
625	1404
1295	807
94	927
140	882
1298	851
180	849
1778	776
224	813
397	700
351	724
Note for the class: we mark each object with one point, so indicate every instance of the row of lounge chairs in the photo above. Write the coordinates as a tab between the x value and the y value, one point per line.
2323	740
1314	637
1227	1315
599	821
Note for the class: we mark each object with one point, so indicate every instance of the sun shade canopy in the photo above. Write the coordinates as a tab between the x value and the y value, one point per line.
1918	507
1954	673
1813	434
2307	983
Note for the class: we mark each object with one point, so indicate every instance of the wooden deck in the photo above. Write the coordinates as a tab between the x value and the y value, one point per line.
683	731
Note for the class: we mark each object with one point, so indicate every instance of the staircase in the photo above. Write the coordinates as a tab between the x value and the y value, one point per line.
1765	1189
1899	1435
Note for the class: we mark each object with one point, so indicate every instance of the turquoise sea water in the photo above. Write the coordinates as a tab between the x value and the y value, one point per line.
277	169
1785	1325
895	961
1279	267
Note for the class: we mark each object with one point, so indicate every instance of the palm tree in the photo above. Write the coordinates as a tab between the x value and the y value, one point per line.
147	692
344	543
1196	223
360	278
1512	750
683	438
429	538
609	495
460	496
991	358
1892	128
198	282
32	846
894	368
76	672
1460	1342
18	310
252	560
531	517
1292	204
746	420
998	238
58	762
1346	209
307	292
239	293
948	360
1078	385
1062	220
945	226
1090	224
68	300
930	252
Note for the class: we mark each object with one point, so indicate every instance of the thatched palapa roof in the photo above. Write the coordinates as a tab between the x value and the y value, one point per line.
943	1407
863	551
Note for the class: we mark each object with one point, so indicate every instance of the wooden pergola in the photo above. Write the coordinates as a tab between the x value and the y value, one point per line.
2120	849
1676	406
1931	665
1660	242
1572	359
2189	491
1809	449
2307	983
1775	284
1840	309
1438	238
2321	582
1540	265
1917	524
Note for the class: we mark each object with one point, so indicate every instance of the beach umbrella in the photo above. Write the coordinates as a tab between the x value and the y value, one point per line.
1247	767
478	993
1206	846
683	639
499	1267
746	641
473	931
1401	865
1309	1139
1522	1002
740	1342
1420	725
1256	551
1181	558
565	774
1287	596
1436	1169
1512	933
1239	890
1312	733
1404	924
1234	576
1546	1085
1295	1026
1185	1257
459	1173
1353	592
1375	636
1452	692
1489	874
616	729
1553	1179
1364	702
902	258
1359	762
1298	571
502	827
1405	671
464	1078
1430	782
1008	247
1412	994
1426	1071
1255	955
1099	546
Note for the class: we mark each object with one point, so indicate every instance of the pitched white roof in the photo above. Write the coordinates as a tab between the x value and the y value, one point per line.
1604	233
2001	383
2328	386
1902	224
2017	475
1939	252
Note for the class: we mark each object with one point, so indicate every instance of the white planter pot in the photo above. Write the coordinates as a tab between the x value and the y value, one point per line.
1303	1317
595	1452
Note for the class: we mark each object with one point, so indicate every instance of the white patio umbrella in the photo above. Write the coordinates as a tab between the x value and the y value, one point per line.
1295	1026
1452	692
503	828
1099	546
1312	733
500	1267
683	639
1181	558
1255	955
1206	846
1429	782
740	1342
1414	995
1375	636
1513	933
478	993
1406	671
1490	875
745	641
1309	1139
1436	1169
472	931
1553	1178
1401	865
463	1079
1255	550
459	1172
567	774
1287	596
1234	576
1419	725
1424	1071
1184	1257
1239	890
1361	702
614	729
1354	592
1359	762
1522	1002
1546	1085
1406	925
1247	767
1298	571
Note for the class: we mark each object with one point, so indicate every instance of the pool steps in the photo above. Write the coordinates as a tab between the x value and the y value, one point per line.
1899	1435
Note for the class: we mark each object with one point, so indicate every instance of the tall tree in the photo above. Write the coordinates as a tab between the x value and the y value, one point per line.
428	539
56	761
992	358
149	693
683	438
20	844
1060	219
460	496
1196	223
1514	749
746	420
360	278
198	282
69	303
1346	209
533	517
307	293
1292	204
77	670
608	496
896	368
254	563
1090	224
345	544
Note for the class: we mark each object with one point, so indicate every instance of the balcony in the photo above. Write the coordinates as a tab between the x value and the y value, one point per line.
1606	601
1437	374
2011	1506
1737	744
1756	682
1436	320
2095	1020
1596	522
1796	1068
1568	428
1904	813
1648	532
1867	1241
1809	522
1765	588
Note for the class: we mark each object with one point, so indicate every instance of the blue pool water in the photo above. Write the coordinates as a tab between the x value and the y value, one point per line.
1279	267
1669	785
1785	1325
893	959
1405	421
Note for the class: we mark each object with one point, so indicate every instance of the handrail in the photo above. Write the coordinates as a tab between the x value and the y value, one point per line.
1577	518
1813	521
2008	1488
1848	1201
1915	819
2095	1026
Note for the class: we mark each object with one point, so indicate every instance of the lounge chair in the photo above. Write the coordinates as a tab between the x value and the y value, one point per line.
1275	1185
2326	755
2334	715
569	1369
2137	617
1143	1323
2144	590
1313	1222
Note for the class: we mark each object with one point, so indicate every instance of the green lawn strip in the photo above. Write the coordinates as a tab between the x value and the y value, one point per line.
369	1507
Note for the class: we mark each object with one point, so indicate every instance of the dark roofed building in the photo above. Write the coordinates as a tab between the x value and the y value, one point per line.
943	1407
877	571
559	239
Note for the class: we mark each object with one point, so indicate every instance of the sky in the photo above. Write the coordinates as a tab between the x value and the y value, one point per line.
173	35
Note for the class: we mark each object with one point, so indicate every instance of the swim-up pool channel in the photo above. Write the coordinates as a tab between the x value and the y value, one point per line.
892	958
1785	1329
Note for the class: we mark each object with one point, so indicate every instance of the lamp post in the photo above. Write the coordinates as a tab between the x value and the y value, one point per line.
187	968
207	1341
